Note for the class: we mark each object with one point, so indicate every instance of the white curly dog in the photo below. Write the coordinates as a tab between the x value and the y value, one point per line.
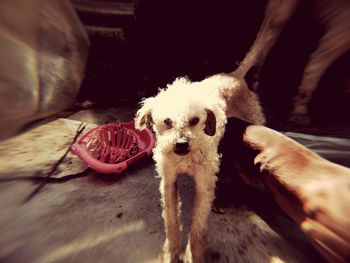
189	120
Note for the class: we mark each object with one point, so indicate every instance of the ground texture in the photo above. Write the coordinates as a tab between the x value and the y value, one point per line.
83	216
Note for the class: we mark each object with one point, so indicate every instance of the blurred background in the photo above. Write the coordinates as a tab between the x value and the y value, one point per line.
65	62
126	50
167	39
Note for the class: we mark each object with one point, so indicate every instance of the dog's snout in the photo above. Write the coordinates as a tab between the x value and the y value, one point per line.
182	147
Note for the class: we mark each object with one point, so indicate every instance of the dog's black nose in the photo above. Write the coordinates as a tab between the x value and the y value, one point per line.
182	148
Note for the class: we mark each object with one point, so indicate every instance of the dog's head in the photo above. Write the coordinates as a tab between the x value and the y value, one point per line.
183	123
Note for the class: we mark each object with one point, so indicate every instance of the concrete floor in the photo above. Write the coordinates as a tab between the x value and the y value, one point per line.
87	217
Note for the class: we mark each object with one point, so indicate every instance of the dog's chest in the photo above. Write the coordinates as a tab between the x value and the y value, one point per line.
191	165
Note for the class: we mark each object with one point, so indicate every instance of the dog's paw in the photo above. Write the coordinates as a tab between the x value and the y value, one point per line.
186	257
218	209
166	257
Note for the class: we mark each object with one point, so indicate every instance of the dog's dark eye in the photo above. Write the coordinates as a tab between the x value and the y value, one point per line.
194	121
168	122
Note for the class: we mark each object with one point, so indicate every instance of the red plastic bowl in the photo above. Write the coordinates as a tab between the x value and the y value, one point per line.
112	148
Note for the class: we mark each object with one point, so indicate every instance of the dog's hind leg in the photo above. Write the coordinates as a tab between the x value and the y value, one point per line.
171	210
277	13
205	192
332	45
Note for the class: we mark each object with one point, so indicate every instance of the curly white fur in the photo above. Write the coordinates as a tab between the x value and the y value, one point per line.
194	113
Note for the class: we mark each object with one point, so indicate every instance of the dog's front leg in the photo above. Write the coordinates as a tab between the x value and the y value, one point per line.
205	180
168	189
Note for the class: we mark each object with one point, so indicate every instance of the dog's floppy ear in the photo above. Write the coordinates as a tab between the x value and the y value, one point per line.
143	117
210	123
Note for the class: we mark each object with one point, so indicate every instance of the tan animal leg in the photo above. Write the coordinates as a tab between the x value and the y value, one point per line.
171	248
332	45
205	193
276	15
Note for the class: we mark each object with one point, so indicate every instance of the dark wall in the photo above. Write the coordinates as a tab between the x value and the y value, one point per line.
195	38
